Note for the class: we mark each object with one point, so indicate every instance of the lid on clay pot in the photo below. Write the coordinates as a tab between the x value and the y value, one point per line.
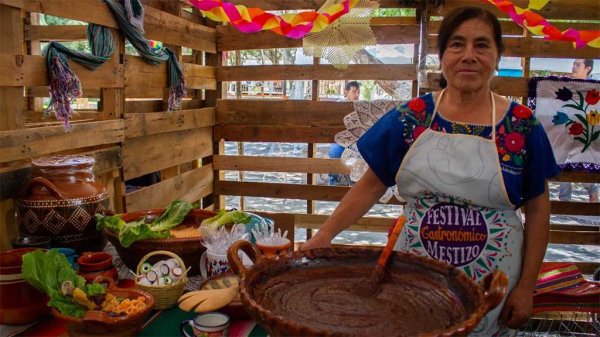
63	161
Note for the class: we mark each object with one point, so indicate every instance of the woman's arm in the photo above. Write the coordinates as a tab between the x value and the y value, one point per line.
519	305
354	205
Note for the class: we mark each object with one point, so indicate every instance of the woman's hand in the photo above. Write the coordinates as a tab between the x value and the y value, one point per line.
317	241
518	307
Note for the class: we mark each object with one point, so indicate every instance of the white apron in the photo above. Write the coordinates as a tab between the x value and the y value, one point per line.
458	209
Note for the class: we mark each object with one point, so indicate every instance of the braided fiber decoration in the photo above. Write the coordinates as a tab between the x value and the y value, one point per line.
65	87
251	20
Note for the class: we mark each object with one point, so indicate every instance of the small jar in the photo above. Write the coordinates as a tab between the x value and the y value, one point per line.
94	264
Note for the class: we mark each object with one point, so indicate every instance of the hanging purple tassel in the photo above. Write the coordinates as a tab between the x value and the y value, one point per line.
176	94
65	87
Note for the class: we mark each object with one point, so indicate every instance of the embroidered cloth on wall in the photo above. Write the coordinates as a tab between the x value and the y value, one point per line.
569	111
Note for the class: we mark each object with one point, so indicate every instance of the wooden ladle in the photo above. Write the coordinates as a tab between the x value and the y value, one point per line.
369	285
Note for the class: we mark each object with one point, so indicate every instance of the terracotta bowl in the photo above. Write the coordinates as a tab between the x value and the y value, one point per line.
313	293
189	249
98	323
20	303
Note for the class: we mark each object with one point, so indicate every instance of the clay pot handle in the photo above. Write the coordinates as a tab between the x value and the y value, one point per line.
495	286
234	259
45	183
105	279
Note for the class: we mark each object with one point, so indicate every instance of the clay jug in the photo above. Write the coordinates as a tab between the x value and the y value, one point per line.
60	202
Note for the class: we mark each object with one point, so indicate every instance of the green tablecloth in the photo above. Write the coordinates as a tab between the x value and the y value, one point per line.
166	323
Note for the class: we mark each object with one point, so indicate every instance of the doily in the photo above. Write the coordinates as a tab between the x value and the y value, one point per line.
365	114
339	41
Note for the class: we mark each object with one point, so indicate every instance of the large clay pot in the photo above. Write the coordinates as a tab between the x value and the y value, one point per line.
313	293
20	303
60	202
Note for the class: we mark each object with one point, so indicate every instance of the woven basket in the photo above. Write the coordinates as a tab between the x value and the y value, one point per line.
166	296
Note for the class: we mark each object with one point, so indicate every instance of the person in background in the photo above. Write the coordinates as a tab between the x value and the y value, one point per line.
465	160
581	70
351	93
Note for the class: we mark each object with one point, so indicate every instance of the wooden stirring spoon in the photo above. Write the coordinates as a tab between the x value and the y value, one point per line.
369	285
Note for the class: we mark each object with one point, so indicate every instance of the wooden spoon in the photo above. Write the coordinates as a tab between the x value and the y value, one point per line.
369	285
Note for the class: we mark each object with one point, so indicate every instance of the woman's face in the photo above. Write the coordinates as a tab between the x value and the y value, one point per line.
471	56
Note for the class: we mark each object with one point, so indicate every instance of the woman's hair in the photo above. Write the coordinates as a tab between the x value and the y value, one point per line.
456	18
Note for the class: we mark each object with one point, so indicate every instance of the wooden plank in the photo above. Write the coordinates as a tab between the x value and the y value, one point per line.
190	186
146	124
578	177
511	28
555	9
370	224
231	39
12	103
284	191
536	47
575	238
30	70
143	155
508	86
282	112
44	91
575	208
389	72
293	134
159	25
574	228
40	117
55	33
173	30
508	28
140	106
9	226
107	160
32	143
276	164
141	74
146	92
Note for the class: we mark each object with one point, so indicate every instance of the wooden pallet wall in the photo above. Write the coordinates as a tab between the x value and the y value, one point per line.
313	121
130	134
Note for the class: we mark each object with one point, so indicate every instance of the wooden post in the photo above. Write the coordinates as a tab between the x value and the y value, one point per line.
423	47
210	99
12	106
11	42
112	106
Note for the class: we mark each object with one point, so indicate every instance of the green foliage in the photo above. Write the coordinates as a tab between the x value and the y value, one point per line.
140	230
48	271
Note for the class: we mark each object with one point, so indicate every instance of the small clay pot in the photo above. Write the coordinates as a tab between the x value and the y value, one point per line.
20	303
94	264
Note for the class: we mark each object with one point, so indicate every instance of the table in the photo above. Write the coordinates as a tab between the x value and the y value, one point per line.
163	323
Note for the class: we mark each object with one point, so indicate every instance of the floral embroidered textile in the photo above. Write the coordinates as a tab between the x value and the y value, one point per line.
510	132
568	110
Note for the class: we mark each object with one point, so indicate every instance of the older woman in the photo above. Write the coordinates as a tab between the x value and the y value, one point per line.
465	159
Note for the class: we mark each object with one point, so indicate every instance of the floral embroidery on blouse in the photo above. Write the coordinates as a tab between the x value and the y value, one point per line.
511	132
511	137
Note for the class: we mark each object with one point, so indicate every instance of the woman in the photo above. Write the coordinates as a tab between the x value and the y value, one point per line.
463	179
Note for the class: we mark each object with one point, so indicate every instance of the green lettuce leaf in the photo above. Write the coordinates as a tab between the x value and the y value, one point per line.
160	228
140	230
113	222
47	271
223	217
173	216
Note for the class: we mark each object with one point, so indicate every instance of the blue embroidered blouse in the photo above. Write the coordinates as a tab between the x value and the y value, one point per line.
526	158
